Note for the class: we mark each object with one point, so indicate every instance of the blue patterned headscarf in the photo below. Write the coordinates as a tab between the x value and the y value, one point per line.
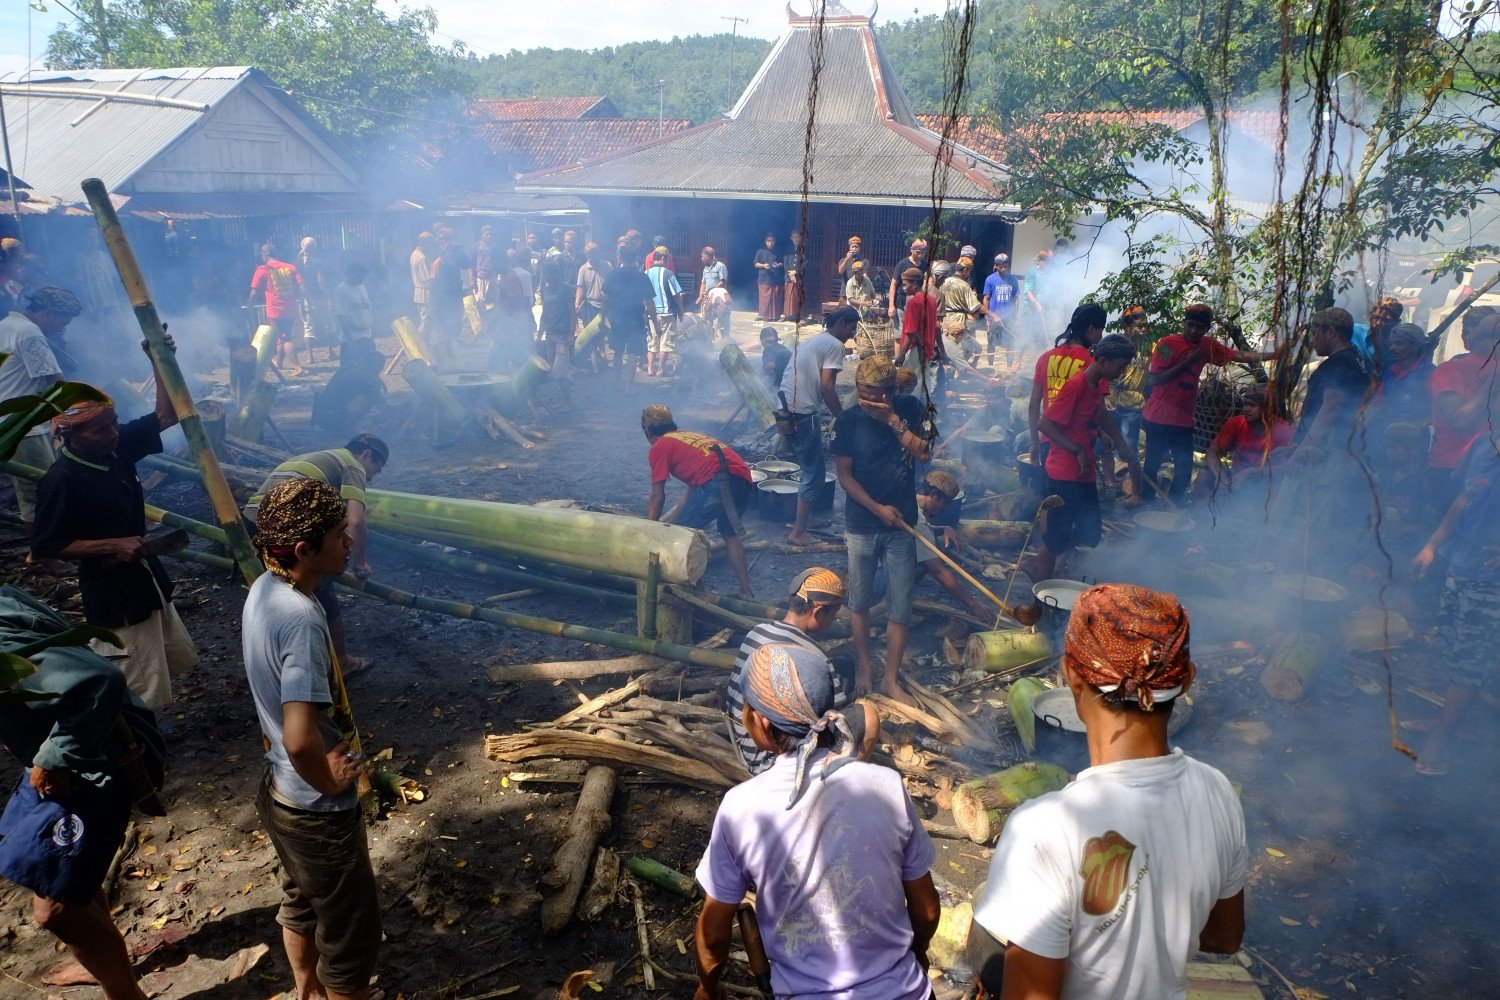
792	686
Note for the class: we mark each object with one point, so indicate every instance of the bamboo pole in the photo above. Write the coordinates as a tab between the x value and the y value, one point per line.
225	509
474	567
748	381
723	659
411	340
650	593
264	342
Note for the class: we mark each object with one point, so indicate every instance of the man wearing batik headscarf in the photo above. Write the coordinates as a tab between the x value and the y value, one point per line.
832	846
876	446
308	803
1105	889
90	508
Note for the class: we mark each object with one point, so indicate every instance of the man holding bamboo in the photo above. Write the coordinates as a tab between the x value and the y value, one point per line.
717	478
348	470
308	801
90	508
876	446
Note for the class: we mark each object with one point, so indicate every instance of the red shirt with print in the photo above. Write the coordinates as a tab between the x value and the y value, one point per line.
1172	402
1075	409
1055	367
690	457
281	281
1246	442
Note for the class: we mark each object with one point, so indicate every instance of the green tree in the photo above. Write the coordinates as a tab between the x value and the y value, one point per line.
681	78
370	77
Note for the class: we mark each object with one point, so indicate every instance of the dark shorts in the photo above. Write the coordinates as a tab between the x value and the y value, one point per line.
626	338
1077	521
1470	630
288	327
327	598
60	848
707	506
327	887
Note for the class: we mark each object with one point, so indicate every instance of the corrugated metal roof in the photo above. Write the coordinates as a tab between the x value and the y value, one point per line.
110	124
867	144
55	150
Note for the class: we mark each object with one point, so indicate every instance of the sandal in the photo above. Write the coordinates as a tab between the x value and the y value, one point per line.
1433	768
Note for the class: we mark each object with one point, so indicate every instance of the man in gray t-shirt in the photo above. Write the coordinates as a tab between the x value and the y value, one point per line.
330	910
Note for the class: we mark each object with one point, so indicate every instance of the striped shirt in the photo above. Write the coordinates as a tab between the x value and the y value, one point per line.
755	759
337	467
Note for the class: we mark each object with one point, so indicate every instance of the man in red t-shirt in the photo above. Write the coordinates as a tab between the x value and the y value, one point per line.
919	332
1073	422
281	285
1176	363
717	478
1460	389
1243	439
1059	364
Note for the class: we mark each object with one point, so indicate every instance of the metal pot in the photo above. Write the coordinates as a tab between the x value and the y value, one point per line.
777	469
756	478
777	500
1059	593
1165	522
824	500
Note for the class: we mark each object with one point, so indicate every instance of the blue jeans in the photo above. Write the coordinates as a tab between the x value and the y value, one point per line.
807	442
896	551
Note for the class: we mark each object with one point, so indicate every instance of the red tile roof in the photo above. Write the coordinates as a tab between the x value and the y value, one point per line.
981	134
544	144
508	109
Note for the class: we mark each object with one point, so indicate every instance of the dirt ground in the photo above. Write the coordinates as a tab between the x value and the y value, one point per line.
1366	880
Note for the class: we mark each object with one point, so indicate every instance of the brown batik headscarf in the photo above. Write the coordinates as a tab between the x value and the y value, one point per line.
298	510
1127	639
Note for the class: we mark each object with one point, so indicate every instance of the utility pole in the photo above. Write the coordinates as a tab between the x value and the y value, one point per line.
734	29
661	108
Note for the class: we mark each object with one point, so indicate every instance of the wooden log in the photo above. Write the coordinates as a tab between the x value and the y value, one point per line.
750	383
241	370
574	670
994	534
612	543
662	877
980	806
574	857
1294	665
603	885
522	747
253	413
680	709
211	412
406	332
445	411
995	651
495	425
594	704
895	711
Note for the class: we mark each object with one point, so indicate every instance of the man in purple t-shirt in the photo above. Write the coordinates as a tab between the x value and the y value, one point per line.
832	846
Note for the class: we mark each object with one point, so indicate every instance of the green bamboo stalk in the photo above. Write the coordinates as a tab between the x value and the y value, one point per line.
171	520
650	591
225	509
749	382
264	342
255	410
723	659
661	876
474	567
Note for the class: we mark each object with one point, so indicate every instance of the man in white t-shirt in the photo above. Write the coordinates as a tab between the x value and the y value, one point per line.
808	384
1105	889
31	369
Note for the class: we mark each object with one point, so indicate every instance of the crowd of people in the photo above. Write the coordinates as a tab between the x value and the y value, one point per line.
1102	890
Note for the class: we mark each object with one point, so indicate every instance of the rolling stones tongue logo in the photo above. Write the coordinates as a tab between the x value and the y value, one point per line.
1105	871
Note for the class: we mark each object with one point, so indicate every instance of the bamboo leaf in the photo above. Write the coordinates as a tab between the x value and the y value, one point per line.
14	669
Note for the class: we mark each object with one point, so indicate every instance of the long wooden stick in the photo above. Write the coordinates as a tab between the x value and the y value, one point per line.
225	509
958	569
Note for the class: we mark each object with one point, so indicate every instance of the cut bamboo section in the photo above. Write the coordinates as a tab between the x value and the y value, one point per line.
1294	665
523	747
996	651
1371	629
471	313
255	410
662	877
980	806
445	411
585	539
588	336
264	342
515	395
411	340
1018	701
575	855
994	534
750	383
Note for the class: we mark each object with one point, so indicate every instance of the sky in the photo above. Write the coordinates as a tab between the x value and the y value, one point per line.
482	26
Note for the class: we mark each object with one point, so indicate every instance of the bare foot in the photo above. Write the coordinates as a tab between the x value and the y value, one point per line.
862	684
803	538
894	691
293	373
